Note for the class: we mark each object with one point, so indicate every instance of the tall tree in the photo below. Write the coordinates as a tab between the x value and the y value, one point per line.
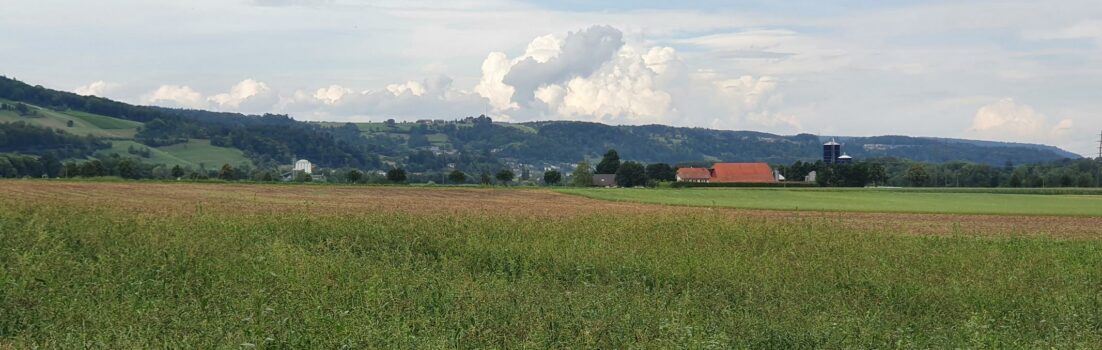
354	176
917	175
631	174
583	175
177	171
609	163
51	164
505	175
396	175
552	177
661	172
227	172
457	177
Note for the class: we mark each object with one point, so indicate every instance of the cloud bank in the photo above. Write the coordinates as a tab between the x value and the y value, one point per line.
592	74
1008	120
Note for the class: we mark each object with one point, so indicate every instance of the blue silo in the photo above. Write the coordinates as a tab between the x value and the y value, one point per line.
831	151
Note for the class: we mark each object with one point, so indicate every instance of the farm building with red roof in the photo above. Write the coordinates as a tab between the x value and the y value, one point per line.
742	172
729	172
694	175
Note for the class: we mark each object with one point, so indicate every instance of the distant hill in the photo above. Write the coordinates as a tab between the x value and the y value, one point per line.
193	137
120	134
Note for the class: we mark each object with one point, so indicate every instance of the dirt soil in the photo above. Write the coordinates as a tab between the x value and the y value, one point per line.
189	198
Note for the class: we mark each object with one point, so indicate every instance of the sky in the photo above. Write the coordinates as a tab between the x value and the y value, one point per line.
1020	71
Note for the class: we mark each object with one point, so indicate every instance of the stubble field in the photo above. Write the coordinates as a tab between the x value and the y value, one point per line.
125	265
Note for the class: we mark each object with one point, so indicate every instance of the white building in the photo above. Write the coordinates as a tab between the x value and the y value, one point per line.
304	166
810	177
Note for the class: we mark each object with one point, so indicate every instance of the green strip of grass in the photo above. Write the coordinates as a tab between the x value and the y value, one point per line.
866	200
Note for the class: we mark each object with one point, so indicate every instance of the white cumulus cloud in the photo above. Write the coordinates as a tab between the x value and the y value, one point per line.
247	95
579	55
175	96
332	94
1008	120
596	75
428	98
96	88
624	90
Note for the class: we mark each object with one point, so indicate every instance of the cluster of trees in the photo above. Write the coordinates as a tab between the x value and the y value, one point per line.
30	139
14	165
134	168
19	108
627	173
1062	173
901	172
143	152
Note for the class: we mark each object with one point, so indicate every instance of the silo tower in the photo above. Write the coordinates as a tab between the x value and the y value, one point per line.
844	159
831	151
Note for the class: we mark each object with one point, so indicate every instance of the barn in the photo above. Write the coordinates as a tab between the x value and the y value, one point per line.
742	172
729	173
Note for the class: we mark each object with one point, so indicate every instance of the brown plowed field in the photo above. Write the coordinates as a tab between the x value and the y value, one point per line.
189	198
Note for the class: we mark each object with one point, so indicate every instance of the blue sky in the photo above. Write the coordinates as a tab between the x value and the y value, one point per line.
1021	71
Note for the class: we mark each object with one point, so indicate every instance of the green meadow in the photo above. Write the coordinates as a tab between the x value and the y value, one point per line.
1080	202
193	153
83	123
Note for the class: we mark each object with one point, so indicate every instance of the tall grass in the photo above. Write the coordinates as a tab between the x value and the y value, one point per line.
95	277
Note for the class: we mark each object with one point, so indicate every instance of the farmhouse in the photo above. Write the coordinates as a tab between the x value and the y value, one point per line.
729	173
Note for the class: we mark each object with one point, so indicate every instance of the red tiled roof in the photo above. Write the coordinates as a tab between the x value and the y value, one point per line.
742	172
694	174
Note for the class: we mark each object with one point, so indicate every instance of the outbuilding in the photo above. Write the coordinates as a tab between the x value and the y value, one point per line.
694	174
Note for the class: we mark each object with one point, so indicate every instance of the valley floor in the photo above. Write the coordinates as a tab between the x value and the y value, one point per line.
135	264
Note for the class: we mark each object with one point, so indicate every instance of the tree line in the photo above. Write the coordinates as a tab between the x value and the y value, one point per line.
21	137
1083	172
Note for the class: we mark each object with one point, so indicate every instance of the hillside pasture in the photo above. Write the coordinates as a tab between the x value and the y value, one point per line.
139	265
194	153
83	123
197	152
963	201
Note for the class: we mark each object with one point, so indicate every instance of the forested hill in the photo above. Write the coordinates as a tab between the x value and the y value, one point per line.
673	144
470	143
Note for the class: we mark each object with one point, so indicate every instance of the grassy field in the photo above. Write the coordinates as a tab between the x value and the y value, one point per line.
864	200
192	154
83	123
197	152
141	265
